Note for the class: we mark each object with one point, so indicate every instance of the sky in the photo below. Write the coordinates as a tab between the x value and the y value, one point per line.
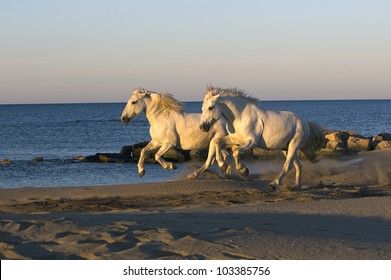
98	51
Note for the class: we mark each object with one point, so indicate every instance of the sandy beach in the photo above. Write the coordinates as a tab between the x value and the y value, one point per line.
342	212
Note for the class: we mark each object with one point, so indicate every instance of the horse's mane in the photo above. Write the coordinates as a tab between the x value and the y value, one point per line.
232	92
165	102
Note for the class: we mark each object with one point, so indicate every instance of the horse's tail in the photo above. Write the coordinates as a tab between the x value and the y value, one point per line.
314	143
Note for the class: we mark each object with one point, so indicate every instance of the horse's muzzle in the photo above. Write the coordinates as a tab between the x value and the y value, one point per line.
205	127
125	120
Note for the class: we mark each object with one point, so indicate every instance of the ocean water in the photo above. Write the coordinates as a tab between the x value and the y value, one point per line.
58	132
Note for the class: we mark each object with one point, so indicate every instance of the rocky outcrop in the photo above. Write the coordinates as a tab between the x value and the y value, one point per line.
132	154
6	161
337	142
383	145
105	158
344	141
37	159
358	144
173	155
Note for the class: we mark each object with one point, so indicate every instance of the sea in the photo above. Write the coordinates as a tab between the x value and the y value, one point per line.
59	132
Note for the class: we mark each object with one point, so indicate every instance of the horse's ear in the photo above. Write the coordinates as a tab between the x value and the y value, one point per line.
216	96
139	90
144	93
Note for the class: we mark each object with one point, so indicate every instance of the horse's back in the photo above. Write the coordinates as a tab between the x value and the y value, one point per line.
280	127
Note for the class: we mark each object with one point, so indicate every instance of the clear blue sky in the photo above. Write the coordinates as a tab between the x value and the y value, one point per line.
98	51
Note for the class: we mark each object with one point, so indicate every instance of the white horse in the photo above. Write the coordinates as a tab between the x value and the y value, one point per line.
249	126
172	127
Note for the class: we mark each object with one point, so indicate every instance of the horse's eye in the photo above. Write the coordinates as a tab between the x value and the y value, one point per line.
134	102
211	108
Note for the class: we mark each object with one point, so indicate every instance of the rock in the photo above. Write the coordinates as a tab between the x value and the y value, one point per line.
337	139
198	155
334	140
6	161
344	136
113	157
358	144
81	158
37	159
333	137
174	155
333	145
126	150
136	150
384	136
94	158
348	140
105	158
383	145
171	155
374	143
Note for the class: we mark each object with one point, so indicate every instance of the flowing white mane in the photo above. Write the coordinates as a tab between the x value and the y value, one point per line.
232	92
165	102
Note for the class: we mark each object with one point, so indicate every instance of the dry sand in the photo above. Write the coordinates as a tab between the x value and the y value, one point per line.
343	212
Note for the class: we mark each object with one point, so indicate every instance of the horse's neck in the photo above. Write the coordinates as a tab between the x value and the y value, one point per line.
151	107
232	110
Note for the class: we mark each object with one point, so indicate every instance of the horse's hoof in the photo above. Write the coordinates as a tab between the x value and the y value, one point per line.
174	166
244	171
141	173
271	187
192	175
223	168
296	188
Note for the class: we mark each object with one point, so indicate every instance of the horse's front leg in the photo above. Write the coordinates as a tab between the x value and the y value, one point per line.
158	156
236	150
153	145
243	170
222	157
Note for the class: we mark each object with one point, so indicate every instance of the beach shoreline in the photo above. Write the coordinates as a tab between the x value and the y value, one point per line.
339	214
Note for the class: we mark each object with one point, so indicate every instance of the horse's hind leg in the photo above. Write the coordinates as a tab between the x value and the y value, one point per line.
298	167
290	161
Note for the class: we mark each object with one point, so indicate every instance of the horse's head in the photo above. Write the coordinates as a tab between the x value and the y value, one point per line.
211	110
135	106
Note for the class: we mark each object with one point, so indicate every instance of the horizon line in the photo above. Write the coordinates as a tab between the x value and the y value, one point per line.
193	101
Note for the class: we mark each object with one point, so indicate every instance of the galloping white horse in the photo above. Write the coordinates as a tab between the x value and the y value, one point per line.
172	127
249	126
